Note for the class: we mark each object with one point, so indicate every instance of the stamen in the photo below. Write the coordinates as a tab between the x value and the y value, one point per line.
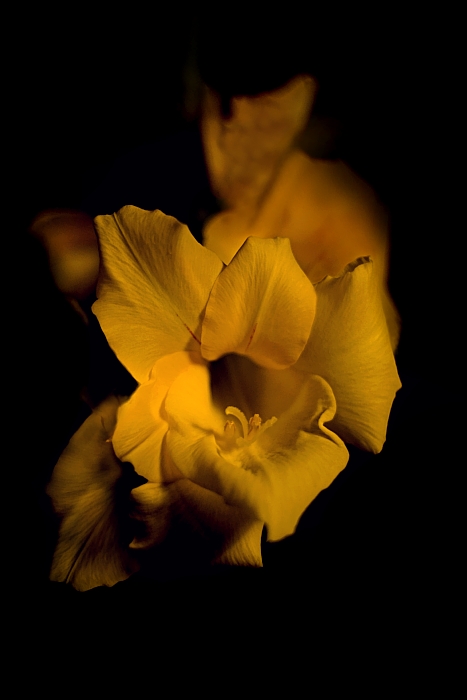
252	429
228	441
254	424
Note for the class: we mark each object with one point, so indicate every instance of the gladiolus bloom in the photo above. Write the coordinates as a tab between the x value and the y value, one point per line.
250	379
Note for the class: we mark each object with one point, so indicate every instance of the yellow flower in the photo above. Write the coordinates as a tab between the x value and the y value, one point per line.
250	380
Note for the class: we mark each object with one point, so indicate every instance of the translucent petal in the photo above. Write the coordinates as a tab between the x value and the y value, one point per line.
92	547
154	282
350	348
262	305
327	212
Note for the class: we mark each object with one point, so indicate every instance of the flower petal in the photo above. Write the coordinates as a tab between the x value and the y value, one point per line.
154	282
272	480
262	305
141	430
235	536
142	423
91	549
350	348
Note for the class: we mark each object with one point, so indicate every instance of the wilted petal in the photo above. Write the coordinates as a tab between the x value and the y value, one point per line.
92	547
272	480
154	283
262	305
350	348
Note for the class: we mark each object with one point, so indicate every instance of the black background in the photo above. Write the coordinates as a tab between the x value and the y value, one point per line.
85	90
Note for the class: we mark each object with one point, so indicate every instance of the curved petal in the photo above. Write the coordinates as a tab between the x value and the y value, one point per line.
142	423
235	536
350	348
186	516
272	480
154	283
262	305
92	547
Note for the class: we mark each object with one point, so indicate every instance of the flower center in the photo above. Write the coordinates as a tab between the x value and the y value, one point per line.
251	429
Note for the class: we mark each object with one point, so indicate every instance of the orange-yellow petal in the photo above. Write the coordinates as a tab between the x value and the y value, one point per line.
350	348
262	305
154	283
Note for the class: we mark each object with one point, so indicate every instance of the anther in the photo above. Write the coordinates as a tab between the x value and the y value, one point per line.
254	424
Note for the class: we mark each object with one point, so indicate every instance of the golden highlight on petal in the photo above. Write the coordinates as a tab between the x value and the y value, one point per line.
142	421
154	283
261	305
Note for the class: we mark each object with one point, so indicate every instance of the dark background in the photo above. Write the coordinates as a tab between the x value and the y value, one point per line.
88	90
